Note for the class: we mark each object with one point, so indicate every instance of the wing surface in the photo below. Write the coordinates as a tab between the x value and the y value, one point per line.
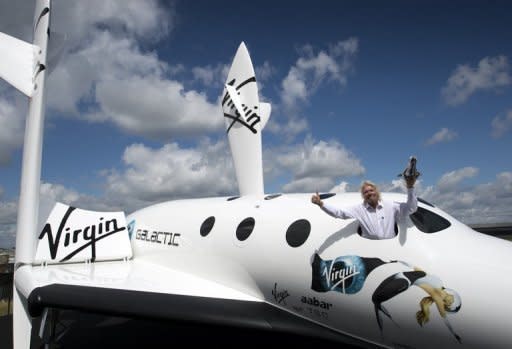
140	289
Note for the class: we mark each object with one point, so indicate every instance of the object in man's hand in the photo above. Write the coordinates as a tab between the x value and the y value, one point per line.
410	171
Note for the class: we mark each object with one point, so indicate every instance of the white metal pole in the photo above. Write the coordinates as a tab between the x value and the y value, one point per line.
32	150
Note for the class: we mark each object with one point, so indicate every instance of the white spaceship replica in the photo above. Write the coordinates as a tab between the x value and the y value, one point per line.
269	262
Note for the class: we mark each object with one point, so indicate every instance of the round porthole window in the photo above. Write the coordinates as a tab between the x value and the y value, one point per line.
298	232
207	226
245	229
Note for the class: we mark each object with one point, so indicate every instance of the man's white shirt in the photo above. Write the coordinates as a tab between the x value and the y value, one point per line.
377	223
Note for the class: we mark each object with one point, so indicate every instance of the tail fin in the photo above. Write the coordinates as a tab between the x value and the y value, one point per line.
245	117
75	235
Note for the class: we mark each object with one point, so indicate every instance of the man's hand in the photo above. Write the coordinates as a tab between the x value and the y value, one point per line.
410	181
316	200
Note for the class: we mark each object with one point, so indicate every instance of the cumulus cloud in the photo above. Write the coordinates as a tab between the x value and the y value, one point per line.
314	166
442	136
162	109
474	204
308	184
172	172
312	69
342	187
103	57
146	20
289	128
12	126
211	76
129	88
264	72
450	180
104	74
501	124
151	175
490	74
398	186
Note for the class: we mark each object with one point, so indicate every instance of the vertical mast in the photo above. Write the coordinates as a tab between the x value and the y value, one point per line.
32	150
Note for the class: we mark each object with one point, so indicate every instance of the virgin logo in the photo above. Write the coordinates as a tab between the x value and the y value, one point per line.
82	237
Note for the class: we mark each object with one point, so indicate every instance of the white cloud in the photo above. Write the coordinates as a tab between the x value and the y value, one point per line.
443	135
294	87
325	158
147	20
288	129
171	172
211	75
501	124
491	73
308	185
264	72
482	203
398	186
57	192
343	187
161	109
12	126
103	58
451	180
150	176
311	70
106	71
314	166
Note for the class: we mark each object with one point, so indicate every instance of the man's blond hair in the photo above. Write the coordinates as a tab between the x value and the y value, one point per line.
370	184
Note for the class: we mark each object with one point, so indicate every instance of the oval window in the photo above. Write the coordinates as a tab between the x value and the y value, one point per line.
245	229
429	222
298	232
207	226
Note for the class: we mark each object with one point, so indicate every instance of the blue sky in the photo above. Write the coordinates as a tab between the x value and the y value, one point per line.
356	87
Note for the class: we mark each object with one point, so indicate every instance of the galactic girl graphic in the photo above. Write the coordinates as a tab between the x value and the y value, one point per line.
347	274
446	300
